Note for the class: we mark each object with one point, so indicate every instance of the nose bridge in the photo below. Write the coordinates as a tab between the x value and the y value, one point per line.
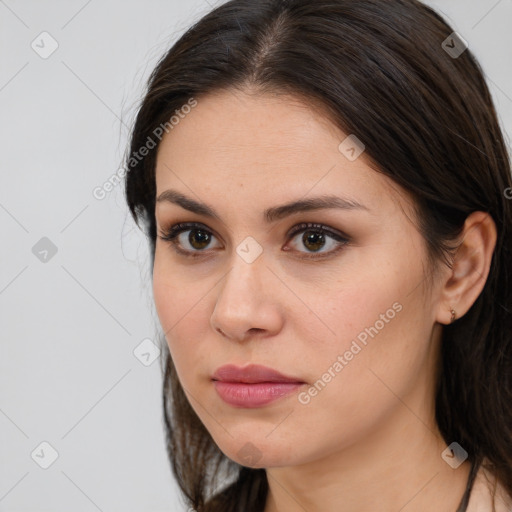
245	300
243	282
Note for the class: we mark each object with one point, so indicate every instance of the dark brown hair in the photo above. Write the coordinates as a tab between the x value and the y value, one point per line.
428	122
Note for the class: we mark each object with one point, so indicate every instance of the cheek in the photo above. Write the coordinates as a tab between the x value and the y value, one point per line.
373	324
165	293
360	305
180	309
355	379
174	296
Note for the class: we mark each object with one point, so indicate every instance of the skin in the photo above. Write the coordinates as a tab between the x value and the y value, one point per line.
368	440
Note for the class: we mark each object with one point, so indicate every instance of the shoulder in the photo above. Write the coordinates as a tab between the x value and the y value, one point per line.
481	498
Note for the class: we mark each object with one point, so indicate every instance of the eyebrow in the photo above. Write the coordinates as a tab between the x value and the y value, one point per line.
271	214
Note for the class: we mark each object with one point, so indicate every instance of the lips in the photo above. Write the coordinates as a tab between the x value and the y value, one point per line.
253	385
252	374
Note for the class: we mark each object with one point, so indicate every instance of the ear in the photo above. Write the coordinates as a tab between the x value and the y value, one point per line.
471	264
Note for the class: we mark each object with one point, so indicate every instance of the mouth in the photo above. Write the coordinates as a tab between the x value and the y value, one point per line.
253	385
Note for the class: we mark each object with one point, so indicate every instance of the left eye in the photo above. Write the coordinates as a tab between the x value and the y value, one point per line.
314	237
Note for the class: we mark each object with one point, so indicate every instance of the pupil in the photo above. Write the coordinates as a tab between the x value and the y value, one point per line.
201	237
316	239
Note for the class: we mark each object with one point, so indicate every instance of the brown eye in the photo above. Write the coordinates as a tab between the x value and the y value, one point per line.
197	241
315	237
313	241
199	238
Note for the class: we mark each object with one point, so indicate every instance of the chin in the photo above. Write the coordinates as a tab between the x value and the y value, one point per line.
257	454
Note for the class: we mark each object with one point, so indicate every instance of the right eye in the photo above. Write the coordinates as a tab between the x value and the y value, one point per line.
197	240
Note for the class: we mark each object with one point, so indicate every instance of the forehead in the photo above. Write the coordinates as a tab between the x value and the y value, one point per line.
262	146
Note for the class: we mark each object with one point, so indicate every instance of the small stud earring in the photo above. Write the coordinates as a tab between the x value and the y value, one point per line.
452	319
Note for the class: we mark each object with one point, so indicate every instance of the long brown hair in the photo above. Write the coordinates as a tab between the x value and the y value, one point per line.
381	70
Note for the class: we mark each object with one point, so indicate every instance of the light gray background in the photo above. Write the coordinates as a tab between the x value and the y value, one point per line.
68	374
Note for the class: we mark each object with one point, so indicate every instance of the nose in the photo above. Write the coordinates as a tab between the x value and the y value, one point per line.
248	301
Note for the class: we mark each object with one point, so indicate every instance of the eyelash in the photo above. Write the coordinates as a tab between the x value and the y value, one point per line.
170	235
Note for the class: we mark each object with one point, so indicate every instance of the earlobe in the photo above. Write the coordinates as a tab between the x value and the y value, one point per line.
470	269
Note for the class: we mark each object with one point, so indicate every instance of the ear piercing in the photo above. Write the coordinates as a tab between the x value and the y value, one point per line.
454	314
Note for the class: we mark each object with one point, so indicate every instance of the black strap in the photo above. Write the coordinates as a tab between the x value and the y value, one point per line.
465	498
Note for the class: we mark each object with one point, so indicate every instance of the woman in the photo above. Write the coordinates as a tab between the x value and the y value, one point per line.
324	186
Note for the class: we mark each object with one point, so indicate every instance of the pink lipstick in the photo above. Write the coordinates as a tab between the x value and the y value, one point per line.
252	386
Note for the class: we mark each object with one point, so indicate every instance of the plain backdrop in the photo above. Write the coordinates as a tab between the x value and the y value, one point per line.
77	392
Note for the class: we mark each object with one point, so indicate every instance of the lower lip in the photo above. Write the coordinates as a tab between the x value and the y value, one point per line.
240	394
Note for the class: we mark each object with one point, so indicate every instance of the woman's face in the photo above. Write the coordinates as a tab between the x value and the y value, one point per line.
348	314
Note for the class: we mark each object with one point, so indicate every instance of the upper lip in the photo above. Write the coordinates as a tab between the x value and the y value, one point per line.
251	374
